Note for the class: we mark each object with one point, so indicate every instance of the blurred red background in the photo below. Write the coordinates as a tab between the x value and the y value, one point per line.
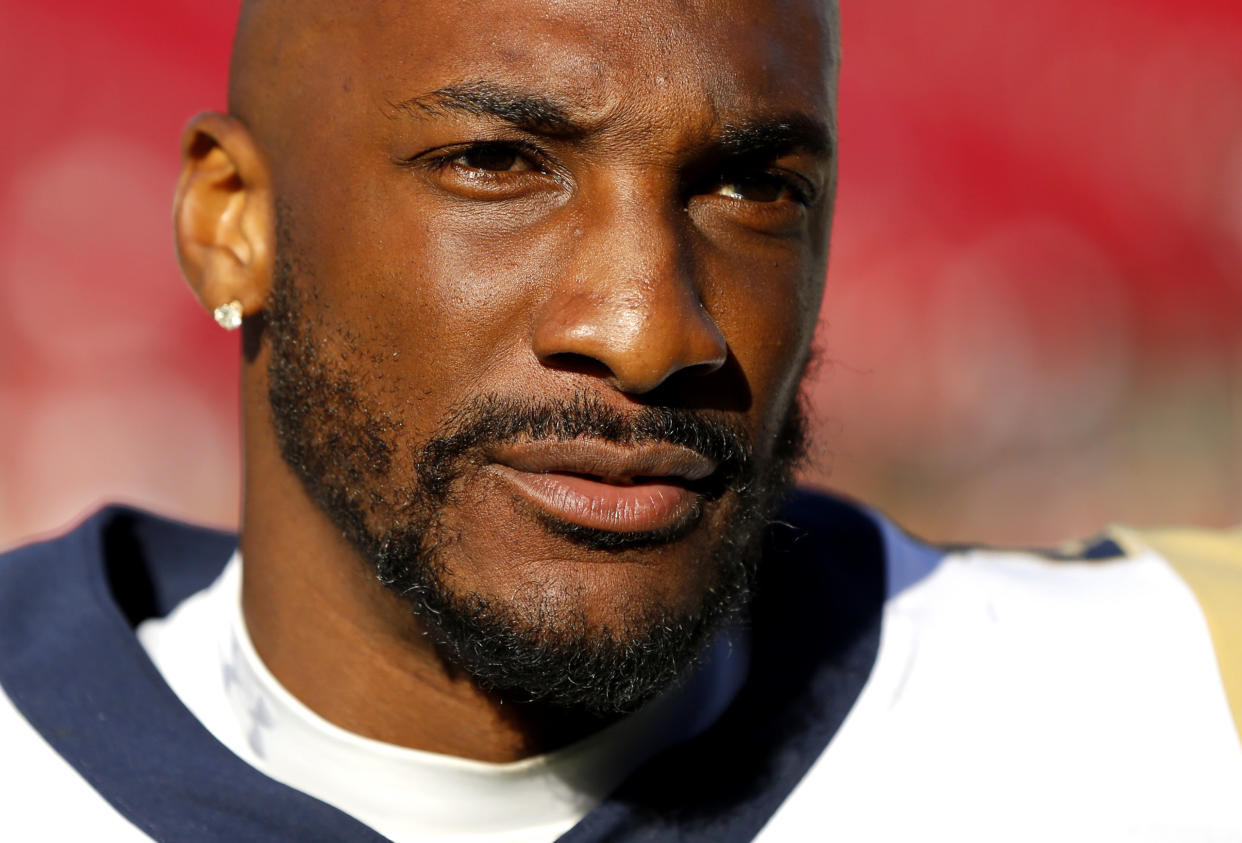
1034	316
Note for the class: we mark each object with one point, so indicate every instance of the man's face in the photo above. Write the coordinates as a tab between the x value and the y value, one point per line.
547	276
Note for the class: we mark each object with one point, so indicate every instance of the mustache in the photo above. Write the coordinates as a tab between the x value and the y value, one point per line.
493	420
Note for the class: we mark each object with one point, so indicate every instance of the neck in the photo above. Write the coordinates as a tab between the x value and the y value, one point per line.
350	649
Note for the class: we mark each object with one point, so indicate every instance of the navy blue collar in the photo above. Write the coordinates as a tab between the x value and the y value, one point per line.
70	662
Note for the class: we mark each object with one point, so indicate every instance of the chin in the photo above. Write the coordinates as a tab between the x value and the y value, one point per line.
538	616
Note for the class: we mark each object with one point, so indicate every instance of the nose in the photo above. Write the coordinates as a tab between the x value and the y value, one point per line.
628	306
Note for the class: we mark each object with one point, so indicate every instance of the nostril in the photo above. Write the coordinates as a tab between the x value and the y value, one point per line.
705	368
569	361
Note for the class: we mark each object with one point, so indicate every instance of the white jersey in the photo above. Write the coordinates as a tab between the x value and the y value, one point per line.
884	690
1021	698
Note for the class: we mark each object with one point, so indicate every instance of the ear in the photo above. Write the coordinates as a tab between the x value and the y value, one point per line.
223	216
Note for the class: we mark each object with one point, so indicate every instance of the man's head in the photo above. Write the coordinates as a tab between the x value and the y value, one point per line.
538	280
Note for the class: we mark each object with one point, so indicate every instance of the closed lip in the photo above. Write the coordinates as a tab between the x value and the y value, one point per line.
607	461
636	488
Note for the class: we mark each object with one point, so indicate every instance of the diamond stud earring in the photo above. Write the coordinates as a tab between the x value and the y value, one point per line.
229	316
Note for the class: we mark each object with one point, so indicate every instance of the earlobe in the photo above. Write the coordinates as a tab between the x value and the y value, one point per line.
222	215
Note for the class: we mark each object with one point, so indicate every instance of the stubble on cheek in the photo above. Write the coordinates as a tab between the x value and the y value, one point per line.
346	450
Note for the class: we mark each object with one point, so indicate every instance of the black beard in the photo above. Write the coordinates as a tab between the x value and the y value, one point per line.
344	450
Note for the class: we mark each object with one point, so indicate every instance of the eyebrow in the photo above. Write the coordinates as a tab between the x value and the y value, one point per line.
778	136
487	99
539	114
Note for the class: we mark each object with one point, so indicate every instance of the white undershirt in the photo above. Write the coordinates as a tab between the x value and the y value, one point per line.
204	653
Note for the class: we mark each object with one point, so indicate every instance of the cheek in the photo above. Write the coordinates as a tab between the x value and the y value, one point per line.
441	297
768	316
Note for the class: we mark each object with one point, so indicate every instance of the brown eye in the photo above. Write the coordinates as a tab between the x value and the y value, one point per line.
756	187
494	159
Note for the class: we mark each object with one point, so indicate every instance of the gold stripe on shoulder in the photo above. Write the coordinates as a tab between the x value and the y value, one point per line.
1210	562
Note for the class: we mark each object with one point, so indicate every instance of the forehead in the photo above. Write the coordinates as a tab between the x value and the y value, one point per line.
718	56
